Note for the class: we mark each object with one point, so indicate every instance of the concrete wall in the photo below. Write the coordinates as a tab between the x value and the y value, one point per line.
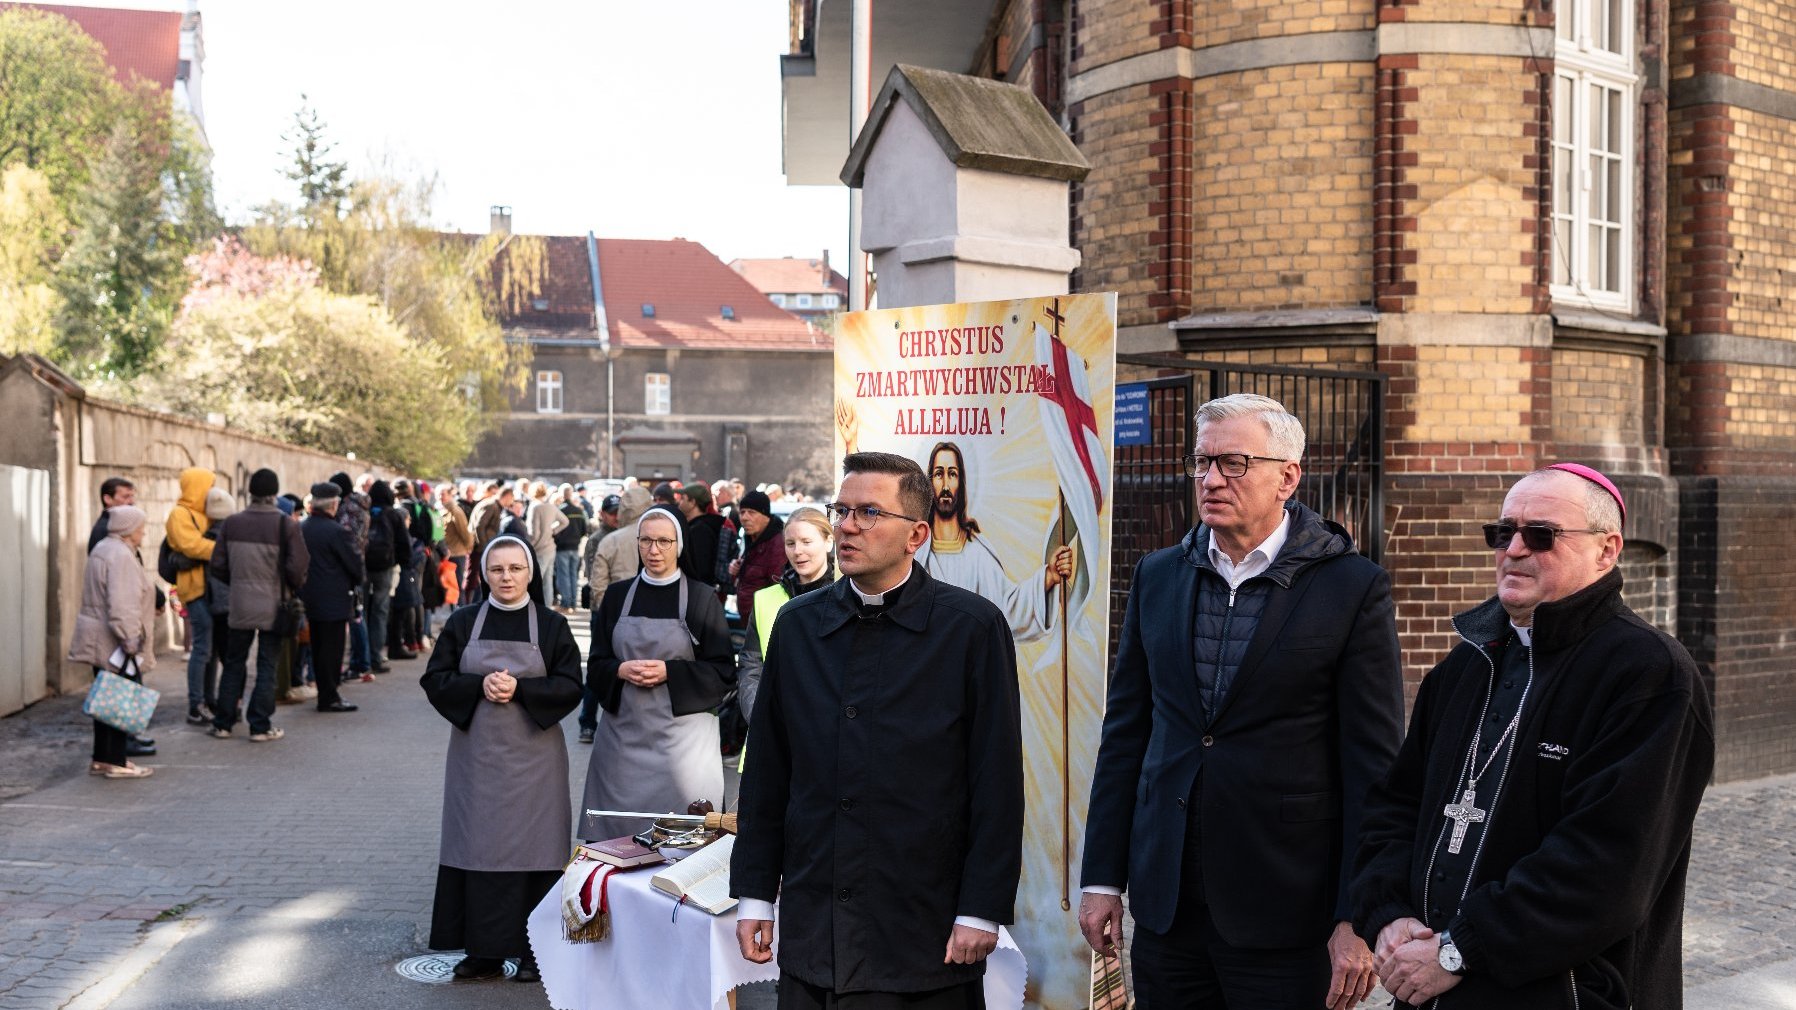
48	423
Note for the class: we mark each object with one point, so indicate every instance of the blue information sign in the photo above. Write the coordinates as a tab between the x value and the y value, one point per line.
1132	421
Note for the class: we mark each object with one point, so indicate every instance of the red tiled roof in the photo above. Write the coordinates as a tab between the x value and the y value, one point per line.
684	281
791	276
145	43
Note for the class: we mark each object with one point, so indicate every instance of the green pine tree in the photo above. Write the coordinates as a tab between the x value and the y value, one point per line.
323	189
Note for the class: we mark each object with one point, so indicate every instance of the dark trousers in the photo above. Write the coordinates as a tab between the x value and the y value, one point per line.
380	605
329	639
199	651
358	635
589	710
221	636
795	994
236	672
109	743
1191	967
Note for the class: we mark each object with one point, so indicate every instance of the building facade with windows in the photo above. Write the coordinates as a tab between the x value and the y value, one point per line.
808	288
1557	226
706	377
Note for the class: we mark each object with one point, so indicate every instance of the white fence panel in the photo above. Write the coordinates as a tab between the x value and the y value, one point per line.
24	601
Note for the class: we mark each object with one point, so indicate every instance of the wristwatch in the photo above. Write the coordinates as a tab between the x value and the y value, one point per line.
1449	955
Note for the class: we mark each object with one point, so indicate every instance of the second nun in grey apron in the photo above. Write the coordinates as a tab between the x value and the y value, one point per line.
644	757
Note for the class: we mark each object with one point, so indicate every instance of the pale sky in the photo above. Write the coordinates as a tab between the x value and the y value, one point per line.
634	120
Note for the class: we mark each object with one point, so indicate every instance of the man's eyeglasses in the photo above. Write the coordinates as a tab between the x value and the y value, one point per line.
1535	537
657	543
864	515
1232	464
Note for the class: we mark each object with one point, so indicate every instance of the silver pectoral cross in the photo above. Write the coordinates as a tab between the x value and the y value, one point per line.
1463	814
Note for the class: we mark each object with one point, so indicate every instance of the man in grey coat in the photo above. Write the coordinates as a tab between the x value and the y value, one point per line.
262	555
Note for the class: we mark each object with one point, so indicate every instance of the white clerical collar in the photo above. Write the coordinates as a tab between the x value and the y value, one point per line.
665	581
1525	634
523	601
876	599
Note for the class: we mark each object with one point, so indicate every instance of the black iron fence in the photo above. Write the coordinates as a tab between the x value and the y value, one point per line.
1343	464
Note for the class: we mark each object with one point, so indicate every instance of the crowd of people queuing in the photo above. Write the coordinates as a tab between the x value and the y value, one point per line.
1282	840
374	566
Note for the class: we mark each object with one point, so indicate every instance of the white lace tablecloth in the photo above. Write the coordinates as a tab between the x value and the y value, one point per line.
655	958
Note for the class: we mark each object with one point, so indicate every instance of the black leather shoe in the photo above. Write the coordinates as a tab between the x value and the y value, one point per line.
147	741
138	750
401	654
470	969
527	971
381	668
338	706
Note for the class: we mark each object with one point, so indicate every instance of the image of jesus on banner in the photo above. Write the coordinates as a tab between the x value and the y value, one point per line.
957	554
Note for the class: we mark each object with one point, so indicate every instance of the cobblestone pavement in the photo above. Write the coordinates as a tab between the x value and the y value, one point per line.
297	873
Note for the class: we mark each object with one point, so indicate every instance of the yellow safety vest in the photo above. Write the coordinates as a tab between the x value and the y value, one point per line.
768	601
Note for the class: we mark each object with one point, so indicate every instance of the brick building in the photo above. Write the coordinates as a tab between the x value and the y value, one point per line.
1557	228
709	379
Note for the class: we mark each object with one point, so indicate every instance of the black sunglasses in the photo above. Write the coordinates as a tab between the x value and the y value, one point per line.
1535	537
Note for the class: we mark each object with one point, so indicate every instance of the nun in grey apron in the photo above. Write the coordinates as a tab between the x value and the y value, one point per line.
645	757
505	786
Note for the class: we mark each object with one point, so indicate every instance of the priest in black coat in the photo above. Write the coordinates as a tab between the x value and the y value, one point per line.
884	804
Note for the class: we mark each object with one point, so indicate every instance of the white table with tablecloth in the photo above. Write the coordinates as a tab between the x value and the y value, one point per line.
656	957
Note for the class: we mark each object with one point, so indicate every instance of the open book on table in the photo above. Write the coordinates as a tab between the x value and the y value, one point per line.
702	879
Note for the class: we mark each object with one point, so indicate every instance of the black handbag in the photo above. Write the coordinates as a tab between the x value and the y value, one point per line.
290	612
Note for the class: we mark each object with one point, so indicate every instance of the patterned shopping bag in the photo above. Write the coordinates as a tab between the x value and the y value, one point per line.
120	702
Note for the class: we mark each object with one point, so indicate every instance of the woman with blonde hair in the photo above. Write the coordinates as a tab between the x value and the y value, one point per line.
810	564
117	618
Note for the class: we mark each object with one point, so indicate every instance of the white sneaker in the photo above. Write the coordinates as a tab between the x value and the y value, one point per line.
273	733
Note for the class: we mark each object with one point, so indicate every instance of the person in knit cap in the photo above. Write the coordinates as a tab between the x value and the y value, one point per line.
389	547
262	556
352	515
117	619
763	555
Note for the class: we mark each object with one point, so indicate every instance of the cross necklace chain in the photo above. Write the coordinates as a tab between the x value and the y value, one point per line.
1466	812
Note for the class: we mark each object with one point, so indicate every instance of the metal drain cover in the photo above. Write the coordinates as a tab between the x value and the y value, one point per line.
435	969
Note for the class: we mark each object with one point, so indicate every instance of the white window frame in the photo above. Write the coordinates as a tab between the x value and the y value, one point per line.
804	301
1586	67
779	300
548	392
831	301
657	393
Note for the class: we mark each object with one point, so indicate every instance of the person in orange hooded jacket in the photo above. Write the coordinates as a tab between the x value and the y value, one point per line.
186	528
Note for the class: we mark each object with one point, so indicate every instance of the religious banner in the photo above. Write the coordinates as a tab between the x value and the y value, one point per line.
1008	408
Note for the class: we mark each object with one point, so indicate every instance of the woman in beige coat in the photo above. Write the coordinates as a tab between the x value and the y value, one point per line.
118	613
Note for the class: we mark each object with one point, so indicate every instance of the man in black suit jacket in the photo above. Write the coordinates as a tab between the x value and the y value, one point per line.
1257	695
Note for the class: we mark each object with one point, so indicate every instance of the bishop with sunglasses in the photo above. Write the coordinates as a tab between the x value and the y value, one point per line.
1529	846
